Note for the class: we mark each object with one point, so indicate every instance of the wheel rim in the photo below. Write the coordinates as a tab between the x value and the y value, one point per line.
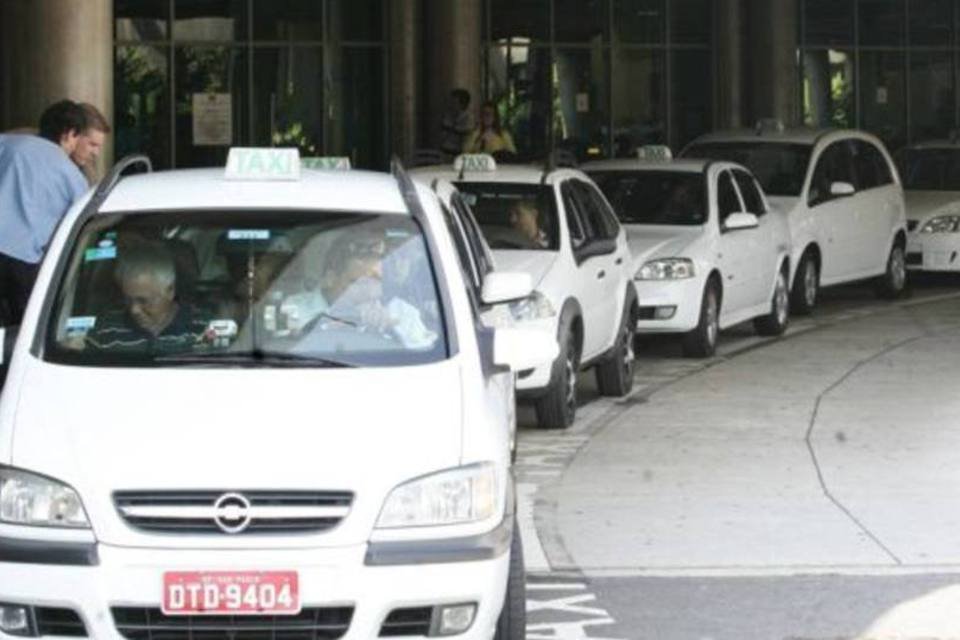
898	269
781	300
713	325
629	355
571	373
810	284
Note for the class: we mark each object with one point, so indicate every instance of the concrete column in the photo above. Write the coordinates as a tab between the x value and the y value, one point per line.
729	64
55	49
771	51
453	44
404	63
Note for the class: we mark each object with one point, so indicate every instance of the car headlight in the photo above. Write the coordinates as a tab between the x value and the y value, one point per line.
29	499
458	496
666	269
942	224
534	307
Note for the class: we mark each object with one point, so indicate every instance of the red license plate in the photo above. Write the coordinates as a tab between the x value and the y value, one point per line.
231	593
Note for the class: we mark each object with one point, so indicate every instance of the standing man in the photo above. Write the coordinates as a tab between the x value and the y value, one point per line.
90	145
38	183
457	123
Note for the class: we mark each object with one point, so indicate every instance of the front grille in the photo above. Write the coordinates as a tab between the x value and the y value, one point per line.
914	259
912	225
310	624
407	622
59	622
269	512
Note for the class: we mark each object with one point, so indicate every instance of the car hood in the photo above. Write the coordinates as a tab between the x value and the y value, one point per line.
361	430
648	242
923	204
536	263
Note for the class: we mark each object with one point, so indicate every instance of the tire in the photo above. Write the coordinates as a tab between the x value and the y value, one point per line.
615	373
512	623
806	287
775	322
702	341
558	407
893	283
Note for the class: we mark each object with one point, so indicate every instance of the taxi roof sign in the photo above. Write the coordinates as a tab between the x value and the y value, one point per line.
328	163
270	164
659	152
474	162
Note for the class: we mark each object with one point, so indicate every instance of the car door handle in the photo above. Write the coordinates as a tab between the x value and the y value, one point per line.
601	275
619	261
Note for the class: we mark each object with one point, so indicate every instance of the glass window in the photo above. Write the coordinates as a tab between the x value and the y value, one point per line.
728	202
473	234
288	20
750	193
357	106
141	19
780	168
288	98
930	22
520	81
882	22
210	20
468	265
692	96
828	94
932	169
579	232
581	20
361	20
835	165
640	21
519	19
596	210
872	168
828	22
639	100
691	21
141	96
514	216
931	95
581	121
655	197
883	96
248	288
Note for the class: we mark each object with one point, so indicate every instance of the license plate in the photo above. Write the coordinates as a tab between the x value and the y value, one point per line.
231	593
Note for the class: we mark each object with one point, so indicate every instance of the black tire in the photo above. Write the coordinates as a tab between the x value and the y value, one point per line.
702	341
615	373
775	322
557	408
512	623
806	286
893	283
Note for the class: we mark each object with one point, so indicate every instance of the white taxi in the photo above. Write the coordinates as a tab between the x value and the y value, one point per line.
842	196
259	404
931	180
708	251
554	224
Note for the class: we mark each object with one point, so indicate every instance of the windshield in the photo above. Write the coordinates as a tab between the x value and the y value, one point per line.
930	169
779	167
514	216
655	197
269	287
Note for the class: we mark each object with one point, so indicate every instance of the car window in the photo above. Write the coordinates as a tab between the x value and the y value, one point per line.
655	197
750	191
601	221
579	231
468	264
728	201
514	216
872	168
473	234
934	169
146	289
781	168
835	165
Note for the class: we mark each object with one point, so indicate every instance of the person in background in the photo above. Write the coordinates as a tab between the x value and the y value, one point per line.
489	136
38	183
457	122
90	145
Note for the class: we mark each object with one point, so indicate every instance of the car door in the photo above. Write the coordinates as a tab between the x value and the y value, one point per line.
736	248
835	216
765	257
879	206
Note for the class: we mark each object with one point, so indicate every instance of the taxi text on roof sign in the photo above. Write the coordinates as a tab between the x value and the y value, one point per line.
475	162
332	163
247	163
654	152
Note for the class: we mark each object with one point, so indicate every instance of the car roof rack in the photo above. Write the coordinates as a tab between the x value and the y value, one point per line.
111	180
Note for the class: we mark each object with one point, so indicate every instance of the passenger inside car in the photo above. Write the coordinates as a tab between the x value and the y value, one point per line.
525	220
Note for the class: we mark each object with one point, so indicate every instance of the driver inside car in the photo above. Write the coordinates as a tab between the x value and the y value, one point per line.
525	220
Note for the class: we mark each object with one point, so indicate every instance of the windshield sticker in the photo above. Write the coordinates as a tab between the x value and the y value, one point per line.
80	326
105	243
100	253
398	233
248	234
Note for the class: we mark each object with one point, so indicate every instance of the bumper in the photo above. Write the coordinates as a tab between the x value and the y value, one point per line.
531	383
683	295
328	578
934	252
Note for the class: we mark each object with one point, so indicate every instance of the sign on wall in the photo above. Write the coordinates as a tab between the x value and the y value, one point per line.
212	119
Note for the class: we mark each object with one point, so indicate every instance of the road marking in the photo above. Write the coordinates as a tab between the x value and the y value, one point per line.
565	616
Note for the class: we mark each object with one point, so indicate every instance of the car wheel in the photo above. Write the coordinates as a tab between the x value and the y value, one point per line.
558	407
702	341
615	373
893	283
806	286
512	623
775	322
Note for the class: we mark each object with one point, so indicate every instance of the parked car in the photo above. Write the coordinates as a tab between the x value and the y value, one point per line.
931	179
842	196
554	224
708	251
261	400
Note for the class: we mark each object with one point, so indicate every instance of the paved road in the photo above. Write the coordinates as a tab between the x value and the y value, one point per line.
797	488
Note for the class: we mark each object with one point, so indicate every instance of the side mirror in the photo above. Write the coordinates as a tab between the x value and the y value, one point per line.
842	189
741	220
596	248
506	286
523	349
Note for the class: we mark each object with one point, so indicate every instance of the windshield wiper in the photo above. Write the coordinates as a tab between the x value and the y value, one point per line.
257	356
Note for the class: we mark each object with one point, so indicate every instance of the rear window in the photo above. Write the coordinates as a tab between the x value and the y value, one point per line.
247	289
514	216
655	197
930	169
781	168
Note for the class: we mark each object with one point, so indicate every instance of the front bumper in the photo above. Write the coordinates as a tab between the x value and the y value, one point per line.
685	296
335	577
532	383
933	252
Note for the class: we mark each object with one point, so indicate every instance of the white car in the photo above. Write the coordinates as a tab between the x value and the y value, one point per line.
260	409
708	251
931	179
842	196
554	224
